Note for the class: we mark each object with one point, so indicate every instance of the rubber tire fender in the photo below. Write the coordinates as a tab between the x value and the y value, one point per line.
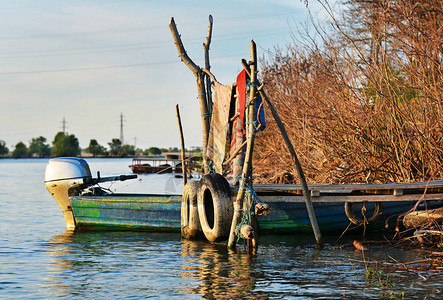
215	207
358	221
190	223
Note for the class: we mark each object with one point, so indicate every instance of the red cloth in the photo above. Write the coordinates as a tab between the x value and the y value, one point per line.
241	90
238	127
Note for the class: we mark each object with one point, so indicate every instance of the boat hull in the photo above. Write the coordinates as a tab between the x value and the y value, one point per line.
128	212
162	213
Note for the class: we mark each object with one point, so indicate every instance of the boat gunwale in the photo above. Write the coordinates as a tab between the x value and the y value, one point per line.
437	184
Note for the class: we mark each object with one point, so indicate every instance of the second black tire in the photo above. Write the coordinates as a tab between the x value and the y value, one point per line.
215	207
190	223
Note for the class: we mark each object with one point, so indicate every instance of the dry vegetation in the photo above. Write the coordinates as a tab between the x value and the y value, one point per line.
362	101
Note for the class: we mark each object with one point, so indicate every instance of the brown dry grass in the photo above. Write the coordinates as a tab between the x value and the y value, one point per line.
365	103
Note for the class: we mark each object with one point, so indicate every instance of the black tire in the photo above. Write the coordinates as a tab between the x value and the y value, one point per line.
215	207
190	223
378	209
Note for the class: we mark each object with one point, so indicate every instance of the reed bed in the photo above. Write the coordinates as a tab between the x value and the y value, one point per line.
361	100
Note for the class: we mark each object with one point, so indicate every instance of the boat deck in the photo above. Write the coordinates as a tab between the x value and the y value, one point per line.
432	190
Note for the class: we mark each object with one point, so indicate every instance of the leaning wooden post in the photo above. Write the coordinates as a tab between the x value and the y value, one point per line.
250	136
199	75
208	65
182	142
300	173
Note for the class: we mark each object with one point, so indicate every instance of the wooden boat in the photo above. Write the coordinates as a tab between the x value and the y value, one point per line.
156	165
96	209
162	213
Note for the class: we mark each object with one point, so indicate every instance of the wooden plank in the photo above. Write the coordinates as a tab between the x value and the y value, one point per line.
315	193
398	192
355	187
353	198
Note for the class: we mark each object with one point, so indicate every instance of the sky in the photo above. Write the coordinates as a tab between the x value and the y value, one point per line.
89	61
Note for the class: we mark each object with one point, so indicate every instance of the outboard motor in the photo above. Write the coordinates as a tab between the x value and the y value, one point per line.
69	176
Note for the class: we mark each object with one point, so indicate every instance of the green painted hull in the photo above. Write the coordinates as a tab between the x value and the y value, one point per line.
129	212
162	213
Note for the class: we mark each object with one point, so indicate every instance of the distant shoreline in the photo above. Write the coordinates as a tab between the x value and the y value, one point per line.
87	155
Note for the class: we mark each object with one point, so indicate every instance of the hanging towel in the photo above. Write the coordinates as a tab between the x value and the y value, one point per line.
217	140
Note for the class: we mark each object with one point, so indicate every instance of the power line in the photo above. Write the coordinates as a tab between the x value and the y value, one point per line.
86	69
132	47
105	67
234	19
80	51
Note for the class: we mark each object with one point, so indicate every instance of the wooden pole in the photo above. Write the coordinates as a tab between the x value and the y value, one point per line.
182	142
300	173
199	75
208	65
250	137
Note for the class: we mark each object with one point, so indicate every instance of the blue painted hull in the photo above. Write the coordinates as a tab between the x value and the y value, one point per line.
162	213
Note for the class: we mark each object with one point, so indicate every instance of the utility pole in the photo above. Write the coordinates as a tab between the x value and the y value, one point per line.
121	128
64	125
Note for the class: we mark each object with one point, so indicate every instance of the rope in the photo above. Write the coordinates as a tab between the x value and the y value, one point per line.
248	83
245	219
365	220
249	191
209	166
254	126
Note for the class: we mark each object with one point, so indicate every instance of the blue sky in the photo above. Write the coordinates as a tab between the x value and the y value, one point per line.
89	61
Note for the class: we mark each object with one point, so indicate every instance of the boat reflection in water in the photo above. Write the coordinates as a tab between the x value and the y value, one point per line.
220	272
122	264
59	249
140	264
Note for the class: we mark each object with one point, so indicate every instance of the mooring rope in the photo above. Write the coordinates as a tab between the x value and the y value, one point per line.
209	166
245	219
249	190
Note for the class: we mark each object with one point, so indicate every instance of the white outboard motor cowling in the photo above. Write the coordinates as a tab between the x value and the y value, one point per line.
65	177
66	168
69	176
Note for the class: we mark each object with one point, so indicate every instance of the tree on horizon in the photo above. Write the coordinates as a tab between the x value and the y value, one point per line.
3	149
114	147
39	147
20	150
95	148
126	150
153	150
65	145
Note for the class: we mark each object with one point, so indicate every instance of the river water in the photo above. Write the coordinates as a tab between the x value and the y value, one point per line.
39	260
